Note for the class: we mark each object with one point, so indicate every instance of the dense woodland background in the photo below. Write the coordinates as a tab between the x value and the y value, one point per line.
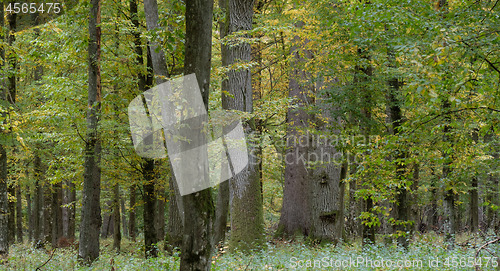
375	122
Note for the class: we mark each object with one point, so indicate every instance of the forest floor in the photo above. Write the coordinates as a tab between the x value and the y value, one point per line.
426	252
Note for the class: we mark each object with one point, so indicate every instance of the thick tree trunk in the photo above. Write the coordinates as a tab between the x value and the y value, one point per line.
198	207
245	190
91	210
297	194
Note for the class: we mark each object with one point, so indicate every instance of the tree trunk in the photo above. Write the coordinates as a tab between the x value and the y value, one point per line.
160	214
474	197
149	209
91	210
4	230
247	222
4	199
326	175
117	237
198	207
71	210
57	223
221	213
47	218
11	98
131	219
173	238
297	194
124	217
29	214
160	70
39	170
396	118
450	225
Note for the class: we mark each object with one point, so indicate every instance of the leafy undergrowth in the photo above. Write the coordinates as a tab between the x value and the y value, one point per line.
426	252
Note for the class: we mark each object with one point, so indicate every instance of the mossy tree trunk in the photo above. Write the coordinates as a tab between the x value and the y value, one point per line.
247	222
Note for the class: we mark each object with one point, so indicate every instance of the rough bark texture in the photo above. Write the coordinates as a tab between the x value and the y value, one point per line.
91	210
244	188
198	207
327	214
297	193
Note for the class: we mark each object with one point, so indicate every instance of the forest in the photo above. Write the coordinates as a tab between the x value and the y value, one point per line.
250	135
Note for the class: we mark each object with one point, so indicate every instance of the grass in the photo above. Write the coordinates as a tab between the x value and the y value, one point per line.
426	252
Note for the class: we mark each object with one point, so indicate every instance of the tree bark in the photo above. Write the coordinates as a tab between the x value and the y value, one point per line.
131	219
160	213
91	210
474	196
117	237
4	230
150	239
396	118
173	238
29	215
198	207
11	98
19	215
57	223
39	170
245	190
71	210
297	192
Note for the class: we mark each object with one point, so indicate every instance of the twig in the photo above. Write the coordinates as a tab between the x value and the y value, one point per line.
51	255
251	258
485	245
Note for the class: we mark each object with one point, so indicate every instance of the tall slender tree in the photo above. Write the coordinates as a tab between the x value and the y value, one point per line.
91	209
